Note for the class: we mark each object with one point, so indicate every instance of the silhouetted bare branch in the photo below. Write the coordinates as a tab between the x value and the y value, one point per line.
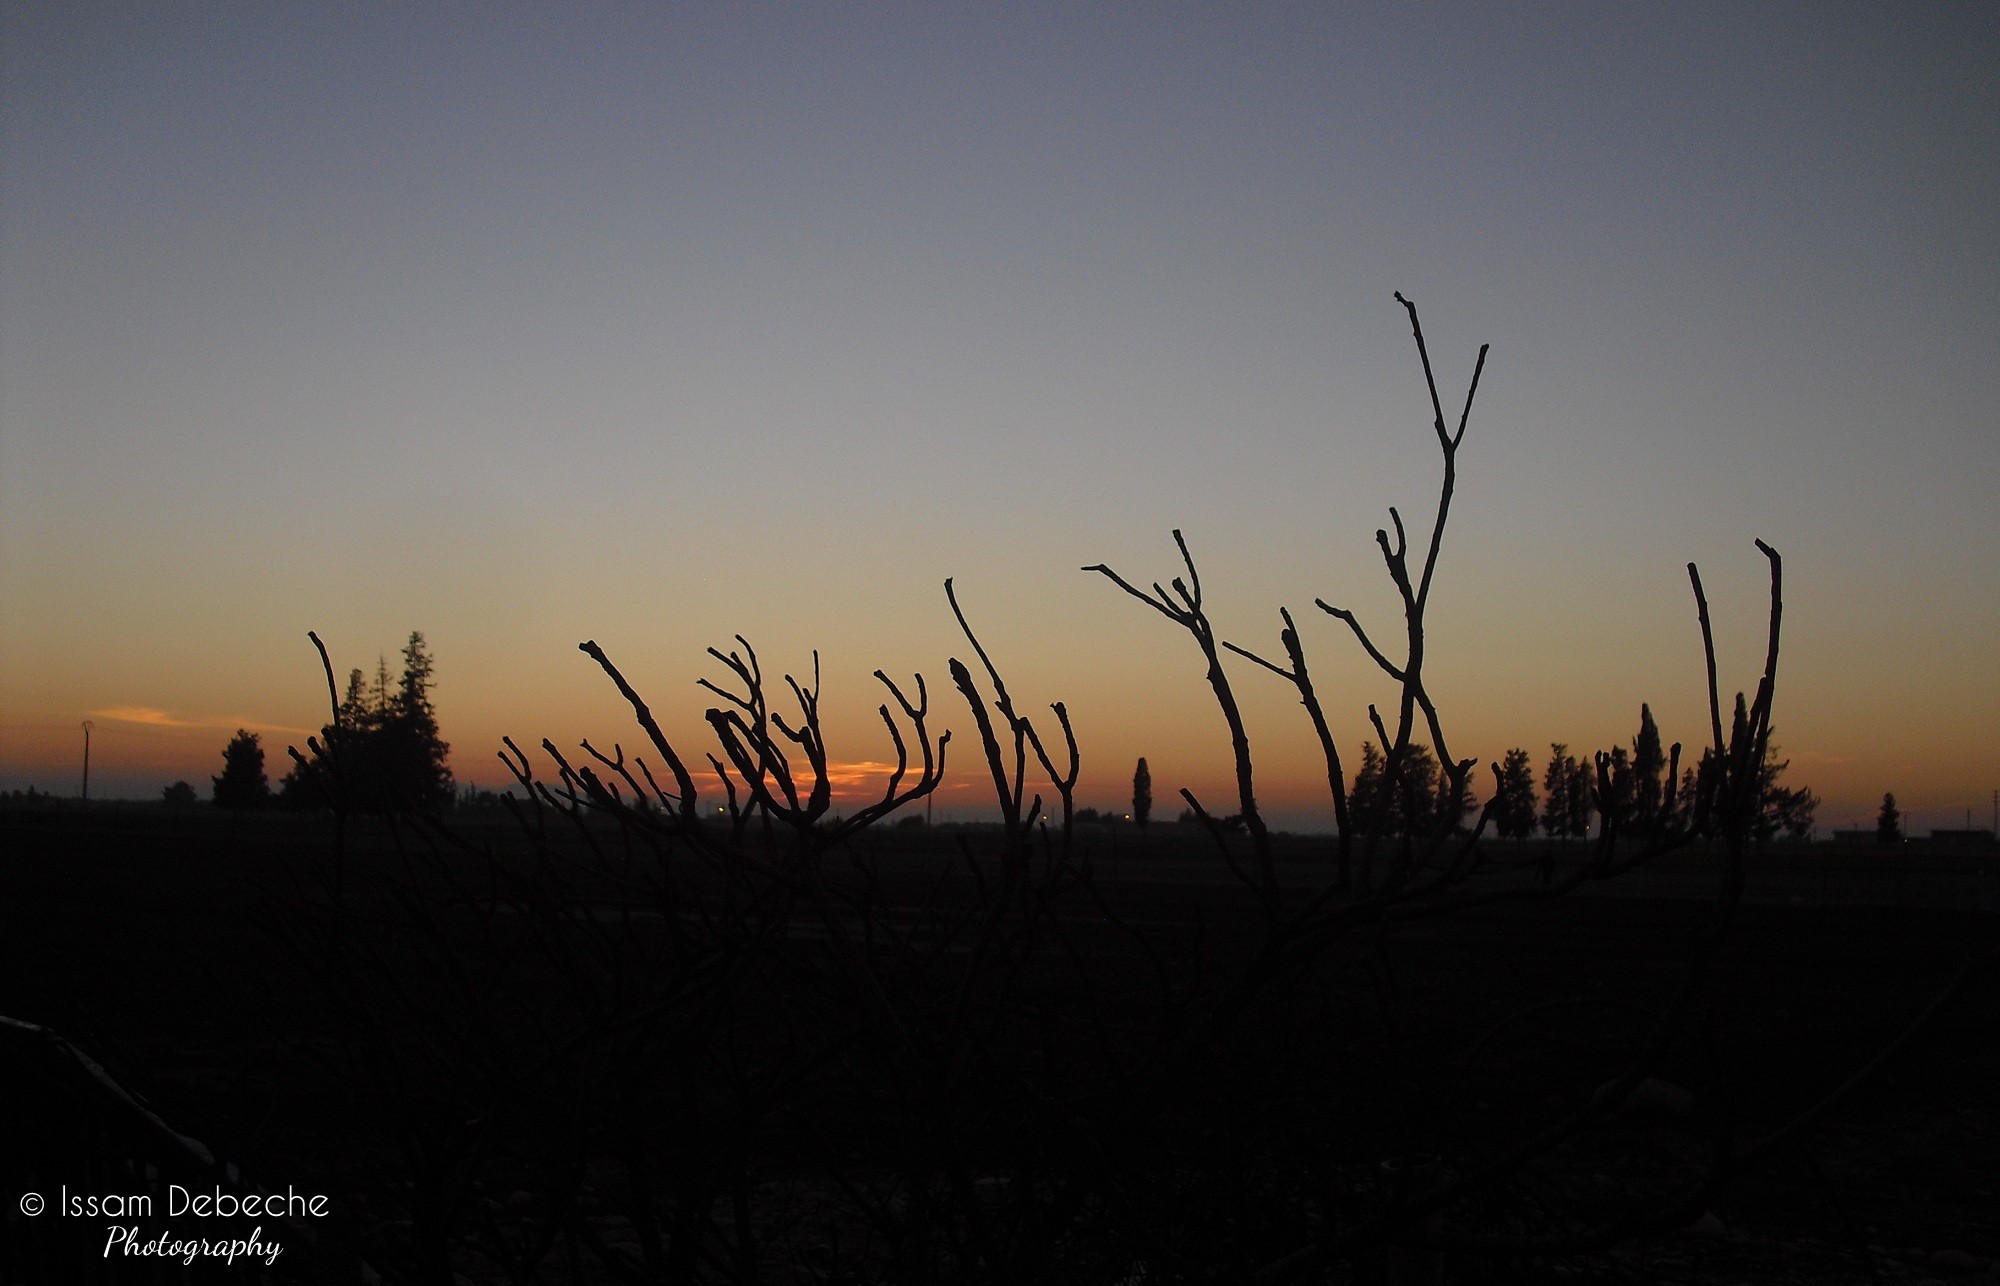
1190	617
689	803
1336	780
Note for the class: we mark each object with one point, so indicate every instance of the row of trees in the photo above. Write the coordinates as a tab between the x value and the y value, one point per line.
1624	788
1630	793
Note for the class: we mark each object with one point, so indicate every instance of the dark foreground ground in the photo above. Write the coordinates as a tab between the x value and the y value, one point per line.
191	957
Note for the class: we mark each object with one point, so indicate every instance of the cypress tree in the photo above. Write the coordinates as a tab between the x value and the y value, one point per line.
1889	822
1649	763
1555	792
1582	797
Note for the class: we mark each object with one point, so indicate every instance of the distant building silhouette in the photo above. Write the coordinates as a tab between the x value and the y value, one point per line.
1962	838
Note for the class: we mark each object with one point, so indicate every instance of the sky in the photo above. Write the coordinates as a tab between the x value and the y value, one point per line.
656	325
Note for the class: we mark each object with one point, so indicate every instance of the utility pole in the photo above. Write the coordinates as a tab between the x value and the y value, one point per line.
86	763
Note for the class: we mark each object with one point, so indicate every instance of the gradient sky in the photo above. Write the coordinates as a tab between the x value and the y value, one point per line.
653	325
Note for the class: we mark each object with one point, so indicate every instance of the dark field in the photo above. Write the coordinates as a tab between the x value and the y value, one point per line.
903	1066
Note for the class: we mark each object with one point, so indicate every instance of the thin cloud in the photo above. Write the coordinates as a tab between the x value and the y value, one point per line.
148	717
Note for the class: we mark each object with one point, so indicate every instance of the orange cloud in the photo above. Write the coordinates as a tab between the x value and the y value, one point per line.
856	780
144	715
147	717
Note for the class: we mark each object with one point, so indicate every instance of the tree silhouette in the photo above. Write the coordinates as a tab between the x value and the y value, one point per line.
1692	783
242	784
1514	796
1617	787
414	751
1416	795
1582	799
1889	822
1142	794
1453	809
1793	811
1555	791
1783	808
353	744
179	795
382	753
1411	805
299	790
1649	764
1367	803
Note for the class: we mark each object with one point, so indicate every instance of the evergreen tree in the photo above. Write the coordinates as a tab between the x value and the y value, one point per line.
1555	792
1582	797
1648	765
385	750
1514	814
1619	805
1782	808
242	784
1775	808
355	709
416	754
1142	794
1416	803
1793	811
300	790
1688	796
1409	805
1456	808
1889	822
354	742
1367	807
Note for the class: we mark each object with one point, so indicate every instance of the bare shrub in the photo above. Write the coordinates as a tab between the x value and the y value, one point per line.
644	1039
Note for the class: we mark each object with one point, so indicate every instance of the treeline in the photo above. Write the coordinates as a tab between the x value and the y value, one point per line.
1625	788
